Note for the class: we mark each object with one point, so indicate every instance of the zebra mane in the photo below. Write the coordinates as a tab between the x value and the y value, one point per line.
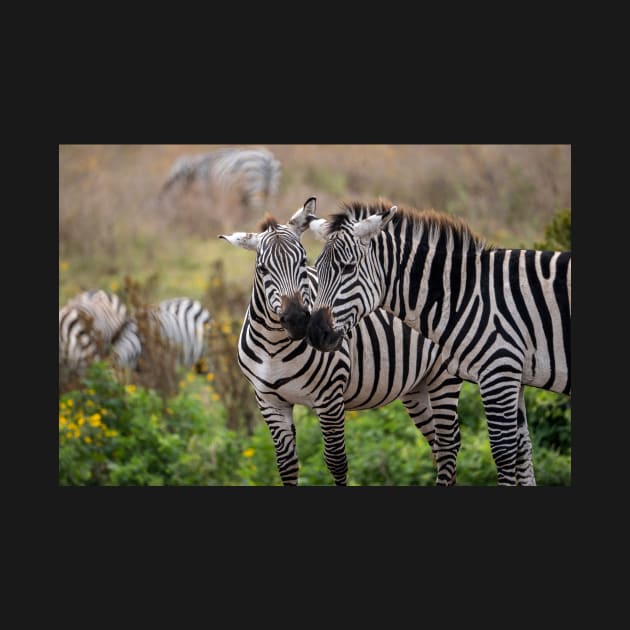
434	223
268	221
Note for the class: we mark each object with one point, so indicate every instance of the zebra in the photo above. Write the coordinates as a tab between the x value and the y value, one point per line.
95	325
182	322
501	316
255	173
90	324
381	360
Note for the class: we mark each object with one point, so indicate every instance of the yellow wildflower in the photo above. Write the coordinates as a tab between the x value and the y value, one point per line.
190	378
70	402
62	405
89	403
64	265
91	392
81	421
248	452
210	377
215	397
87	439
111	433
182	384
131	389
95	419
62	421
226	328
114	285
103	412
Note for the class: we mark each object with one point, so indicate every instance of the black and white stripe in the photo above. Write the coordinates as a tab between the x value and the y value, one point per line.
381	361
501	316
255	173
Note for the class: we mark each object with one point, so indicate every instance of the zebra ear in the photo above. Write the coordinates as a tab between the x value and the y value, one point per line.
319	227
370	227
246	240
300	220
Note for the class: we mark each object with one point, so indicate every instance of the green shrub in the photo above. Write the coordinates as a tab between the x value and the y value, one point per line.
115	434
557	233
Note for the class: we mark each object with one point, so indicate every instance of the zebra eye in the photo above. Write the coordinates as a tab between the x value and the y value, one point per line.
261	268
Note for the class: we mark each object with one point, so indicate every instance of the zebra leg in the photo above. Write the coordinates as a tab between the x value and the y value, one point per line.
433	409
444	397
524	462
500	397
332	423
282	429
419	408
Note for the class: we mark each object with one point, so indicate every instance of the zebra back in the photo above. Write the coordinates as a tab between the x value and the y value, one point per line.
255	172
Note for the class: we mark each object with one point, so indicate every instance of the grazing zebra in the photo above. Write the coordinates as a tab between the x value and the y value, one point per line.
181	321
501	316
94	325
90	324
382	360
255	173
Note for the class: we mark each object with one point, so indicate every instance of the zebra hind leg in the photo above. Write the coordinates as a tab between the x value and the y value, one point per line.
444	396
435	416
500	401
524	463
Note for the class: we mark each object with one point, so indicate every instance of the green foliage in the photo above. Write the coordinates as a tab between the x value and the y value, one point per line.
557	233
114	434
549	419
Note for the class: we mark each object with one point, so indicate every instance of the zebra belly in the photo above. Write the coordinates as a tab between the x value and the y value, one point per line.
388	361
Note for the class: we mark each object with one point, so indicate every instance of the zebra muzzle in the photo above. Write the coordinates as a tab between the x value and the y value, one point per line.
294	318
321	334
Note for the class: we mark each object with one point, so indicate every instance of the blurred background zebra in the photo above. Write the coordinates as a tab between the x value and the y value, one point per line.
89	324
95	325
181	322
254	173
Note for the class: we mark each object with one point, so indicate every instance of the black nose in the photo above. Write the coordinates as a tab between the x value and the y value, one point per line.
320	334
295	320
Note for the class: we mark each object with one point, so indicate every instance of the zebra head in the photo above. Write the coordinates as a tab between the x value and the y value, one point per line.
281	283
350	279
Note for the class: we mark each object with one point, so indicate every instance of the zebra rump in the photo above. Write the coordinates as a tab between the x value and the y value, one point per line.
89	325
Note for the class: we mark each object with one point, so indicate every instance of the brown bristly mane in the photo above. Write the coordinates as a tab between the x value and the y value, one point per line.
268	221
422	219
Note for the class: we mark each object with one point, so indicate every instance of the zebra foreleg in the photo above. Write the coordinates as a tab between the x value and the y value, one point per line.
524	462
333	431
282	429
500	395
